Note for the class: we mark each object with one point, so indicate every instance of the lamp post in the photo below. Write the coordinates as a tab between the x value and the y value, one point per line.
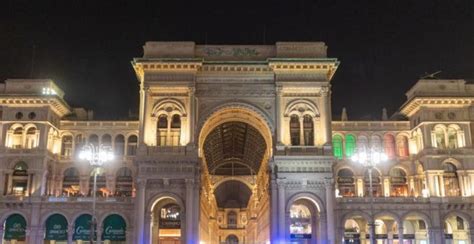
369	158
96	156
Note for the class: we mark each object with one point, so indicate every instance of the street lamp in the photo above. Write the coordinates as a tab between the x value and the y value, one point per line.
96	156
369	158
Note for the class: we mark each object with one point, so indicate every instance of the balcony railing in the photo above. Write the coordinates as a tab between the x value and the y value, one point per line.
364	200
29	199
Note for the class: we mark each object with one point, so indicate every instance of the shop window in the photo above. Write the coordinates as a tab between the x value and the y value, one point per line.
346	183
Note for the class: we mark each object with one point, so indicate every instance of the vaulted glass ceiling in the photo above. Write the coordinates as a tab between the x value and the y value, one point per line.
234	148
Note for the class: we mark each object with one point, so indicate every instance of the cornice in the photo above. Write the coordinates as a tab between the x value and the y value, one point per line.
413	105
57	104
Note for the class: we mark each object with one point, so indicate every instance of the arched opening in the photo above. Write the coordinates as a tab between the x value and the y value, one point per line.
456	230
350	145
56	227
124	182
71	182
20	186
362	143
32	136
389	145
107	140
175	130
439	136
303	222
166	222
102	190
295	130
94	140
376	143
119	145
66	146
114	230
78	144
451	180
162	130
353	234
82	229
231	239
337	146
308	130
346	183
17	137
235	145
415	230
376	183
402	146
398	183
14	229
132	143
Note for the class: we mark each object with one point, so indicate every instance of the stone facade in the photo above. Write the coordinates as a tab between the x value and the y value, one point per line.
236	144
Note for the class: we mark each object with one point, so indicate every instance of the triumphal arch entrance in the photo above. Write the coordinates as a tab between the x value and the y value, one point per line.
234	144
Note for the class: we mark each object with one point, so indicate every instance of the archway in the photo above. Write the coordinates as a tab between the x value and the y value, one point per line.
15	229
166	219
304	225
415	229
232	239
56	226
456	229
235	144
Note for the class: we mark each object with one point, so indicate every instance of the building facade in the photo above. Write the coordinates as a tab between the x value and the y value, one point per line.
236	144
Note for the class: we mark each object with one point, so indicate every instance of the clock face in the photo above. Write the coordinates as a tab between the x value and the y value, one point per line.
451	115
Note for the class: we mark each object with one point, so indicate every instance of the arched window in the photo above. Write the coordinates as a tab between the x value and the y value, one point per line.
78	143
362	143
106	140
389	145
101	182
452	138
350	145
20	179
376	183
162	130
132	143
119	147
346	183
439	138
337	146
232	239
17	138
398	181
31	137
66	146
402	146
71	182
232	220
308	130
295	130
94	140
124	183
376	143
418	137
175	130
451	180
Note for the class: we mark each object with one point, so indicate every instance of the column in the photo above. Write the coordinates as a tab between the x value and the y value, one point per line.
325	114
9	189
192	114
99	232
400	232
2	185
436	235
142	111
471	234
274	208
70	232
339	234
301	130
441	185
189	213
330	202
281	210
386	186
461	183
140	215
279	114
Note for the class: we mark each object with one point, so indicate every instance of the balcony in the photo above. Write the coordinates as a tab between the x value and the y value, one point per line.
384	200
170	150
12	199
303	151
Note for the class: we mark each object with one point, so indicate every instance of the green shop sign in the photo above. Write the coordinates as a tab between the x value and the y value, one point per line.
56	228
82	228
15	228
114	228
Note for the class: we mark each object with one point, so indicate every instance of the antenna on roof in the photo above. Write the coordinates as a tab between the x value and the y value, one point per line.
431	76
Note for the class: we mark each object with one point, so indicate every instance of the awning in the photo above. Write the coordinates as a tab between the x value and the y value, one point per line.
114	228
56	228
15	228
82	228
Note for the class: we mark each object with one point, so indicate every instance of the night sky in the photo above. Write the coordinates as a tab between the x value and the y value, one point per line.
384	46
